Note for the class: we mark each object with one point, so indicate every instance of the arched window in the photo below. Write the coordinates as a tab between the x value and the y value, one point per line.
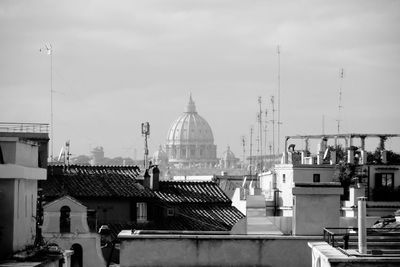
77	257
65	220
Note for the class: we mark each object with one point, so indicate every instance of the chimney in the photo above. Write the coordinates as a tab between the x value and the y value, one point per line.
350	155
146	180
303	156
363	153
362	231
155	179
333	157
321	150
384	156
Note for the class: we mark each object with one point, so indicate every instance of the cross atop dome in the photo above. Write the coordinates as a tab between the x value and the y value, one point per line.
191	107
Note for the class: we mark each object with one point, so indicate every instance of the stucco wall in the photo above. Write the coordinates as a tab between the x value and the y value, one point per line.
384	169
214	251
17	212
108	210
78	215
324	255
6	216
17	152
315	208
90	242
25	192
301	174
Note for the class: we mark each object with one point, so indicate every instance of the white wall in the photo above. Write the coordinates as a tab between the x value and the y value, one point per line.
25	192
208	250
299	174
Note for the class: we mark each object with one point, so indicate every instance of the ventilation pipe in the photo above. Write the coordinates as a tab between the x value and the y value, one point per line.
362	230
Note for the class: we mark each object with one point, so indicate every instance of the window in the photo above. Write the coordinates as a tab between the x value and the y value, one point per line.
284	178
65	220
316	177
385	180
170	212
141	212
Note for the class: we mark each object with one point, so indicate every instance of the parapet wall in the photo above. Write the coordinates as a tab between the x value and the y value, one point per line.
213	250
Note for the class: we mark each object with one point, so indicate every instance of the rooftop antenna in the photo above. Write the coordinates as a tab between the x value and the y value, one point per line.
251	149
341	76
244	149
323	124
48	49
258	138
67	152
261	130
273	124
278	50
146	133
265	133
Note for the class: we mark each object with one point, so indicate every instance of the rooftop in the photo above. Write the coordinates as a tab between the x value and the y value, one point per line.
191	192
94	181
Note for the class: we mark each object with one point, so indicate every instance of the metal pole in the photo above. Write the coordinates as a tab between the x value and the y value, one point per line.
273	125
251	149
261	129
279	94
51	104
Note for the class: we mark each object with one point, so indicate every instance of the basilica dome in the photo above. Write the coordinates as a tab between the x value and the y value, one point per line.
190	139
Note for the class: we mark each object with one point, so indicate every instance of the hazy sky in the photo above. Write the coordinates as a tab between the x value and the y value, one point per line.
119	63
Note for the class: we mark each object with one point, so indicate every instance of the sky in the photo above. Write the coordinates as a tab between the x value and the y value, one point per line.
116	64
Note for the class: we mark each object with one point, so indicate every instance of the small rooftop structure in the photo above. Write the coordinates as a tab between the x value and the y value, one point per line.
323	148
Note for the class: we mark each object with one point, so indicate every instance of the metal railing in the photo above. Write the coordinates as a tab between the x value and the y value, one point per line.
376	237
17	127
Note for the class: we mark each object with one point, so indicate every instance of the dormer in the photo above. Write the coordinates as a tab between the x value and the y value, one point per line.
65	215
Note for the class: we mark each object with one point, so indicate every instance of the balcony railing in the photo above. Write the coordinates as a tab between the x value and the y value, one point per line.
17	127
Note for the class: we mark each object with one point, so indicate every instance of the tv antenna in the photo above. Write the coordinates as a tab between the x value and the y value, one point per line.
244	149
260	128
48	49
273	124
278	51
341	76
251	149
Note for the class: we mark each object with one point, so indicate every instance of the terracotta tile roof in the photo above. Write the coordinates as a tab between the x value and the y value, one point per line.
189	218
191	192
205	218
93	181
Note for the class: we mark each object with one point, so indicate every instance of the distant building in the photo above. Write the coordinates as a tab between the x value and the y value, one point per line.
228	159
190	141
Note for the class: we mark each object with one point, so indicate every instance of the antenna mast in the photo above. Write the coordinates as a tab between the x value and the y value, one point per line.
265	134
146	133
278	50
261	130
49	50
273	124
340	100
251	148
244	149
